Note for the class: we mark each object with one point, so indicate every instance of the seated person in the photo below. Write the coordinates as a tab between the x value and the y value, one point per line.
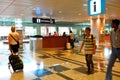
55	34
64	34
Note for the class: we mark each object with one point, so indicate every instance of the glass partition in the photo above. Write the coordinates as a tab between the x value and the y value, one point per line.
63	29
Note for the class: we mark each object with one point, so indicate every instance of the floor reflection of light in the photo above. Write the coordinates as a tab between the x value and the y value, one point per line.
40	72
107	53
98	65
56	64
30	66
41	65
4	71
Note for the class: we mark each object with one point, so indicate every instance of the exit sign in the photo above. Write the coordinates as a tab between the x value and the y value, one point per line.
96	7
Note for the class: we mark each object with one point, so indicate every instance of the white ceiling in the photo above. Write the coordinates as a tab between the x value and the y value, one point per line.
64	10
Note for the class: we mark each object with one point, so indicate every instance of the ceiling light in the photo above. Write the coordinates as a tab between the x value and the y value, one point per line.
59	11
44	15
34	9
106	8
79	14
84	4
38	11
21	14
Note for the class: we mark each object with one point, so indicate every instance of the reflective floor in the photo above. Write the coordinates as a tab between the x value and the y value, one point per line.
57	64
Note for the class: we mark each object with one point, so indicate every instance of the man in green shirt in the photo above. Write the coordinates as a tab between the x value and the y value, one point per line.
89	49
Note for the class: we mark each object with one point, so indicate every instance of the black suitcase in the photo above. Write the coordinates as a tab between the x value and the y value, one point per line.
16	62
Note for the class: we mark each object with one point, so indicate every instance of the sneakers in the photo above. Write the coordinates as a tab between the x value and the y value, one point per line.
90	71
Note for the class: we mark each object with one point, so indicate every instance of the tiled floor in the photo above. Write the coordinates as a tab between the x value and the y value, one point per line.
56	64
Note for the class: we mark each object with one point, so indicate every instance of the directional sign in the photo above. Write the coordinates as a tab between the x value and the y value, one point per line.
43	20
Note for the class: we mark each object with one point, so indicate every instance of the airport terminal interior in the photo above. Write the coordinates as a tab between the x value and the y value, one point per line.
57	64
48	57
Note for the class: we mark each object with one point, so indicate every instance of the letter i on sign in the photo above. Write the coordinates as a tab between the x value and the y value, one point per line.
94	6
38	20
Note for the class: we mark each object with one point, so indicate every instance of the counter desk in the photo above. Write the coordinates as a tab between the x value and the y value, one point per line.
37	43
54	42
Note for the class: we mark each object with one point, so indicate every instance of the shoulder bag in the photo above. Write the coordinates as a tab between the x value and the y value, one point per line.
18	45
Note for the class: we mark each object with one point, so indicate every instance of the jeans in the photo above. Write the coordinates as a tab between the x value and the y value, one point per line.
114	55
89	61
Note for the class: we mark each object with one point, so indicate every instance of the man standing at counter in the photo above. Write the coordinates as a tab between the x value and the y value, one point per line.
71	39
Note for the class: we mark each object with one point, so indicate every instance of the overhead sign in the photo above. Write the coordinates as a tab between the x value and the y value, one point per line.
96	7
43	20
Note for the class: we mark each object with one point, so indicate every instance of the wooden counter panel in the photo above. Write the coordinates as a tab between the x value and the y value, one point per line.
54	42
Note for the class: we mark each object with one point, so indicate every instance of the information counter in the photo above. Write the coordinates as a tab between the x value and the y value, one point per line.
54	42
39	42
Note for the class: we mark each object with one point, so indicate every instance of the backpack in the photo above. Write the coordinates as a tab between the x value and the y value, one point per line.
92	37
92	40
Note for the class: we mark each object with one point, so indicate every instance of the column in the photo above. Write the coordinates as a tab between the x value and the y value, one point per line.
97	28
38	30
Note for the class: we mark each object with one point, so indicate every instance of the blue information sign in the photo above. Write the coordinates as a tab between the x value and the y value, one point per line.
96	7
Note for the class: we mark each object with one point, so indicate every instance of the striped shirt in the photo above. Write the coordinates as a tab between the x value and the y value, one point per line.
115	38
89	44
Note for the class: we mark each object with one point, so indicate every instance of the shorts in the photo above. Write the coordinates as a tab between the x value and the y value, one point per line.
14	48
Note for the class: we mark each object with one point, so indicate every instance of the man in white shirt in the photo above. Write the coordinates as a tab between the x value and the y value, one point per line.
71	35
115	46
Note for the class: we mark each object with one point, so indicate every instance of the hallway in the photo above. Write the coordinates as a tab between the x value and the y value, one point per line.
57	64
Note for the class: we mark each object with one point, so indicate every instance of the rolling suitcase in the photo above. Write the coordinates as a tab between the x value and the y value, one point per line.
15	62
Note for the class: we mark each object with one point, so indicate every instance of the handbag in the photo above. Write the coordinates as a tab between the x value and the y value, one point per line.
18	44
